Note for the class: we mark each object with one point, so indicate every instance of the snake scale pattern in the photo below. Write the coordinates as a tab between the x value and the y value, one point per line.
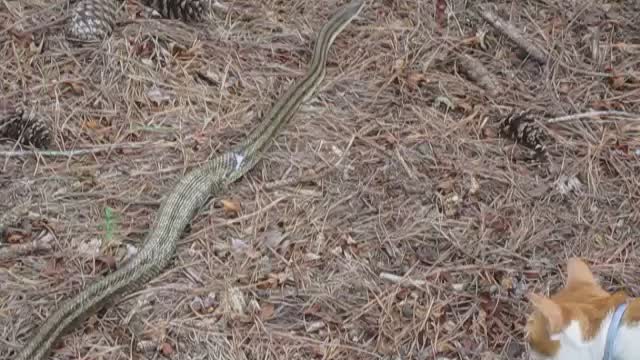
188	196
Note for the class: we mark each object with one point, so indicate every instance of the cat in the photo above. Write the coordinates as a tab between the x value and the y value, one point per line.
574	324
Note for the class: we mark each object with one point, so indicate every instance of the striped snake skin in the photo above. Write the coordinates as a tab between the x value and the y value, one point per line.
188	196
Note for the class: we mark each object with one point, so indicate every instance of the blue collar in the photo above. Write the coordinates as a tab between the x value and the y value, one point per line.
613	331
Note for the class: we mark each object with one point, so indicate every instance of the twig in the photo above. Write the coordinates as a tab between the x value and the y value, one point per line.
92	150
402	280
309	176
592	114
512	33
13	251
480	74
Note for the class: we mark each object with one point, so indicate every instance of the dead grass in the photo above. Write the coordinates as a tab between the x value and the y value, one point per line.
369	178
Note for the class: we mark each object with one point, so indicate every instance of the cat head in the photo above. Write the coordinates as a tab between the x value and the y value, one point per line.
567	324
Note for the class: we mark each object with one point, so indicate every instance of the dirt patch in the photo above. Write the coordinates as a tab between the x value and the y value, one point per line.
389	220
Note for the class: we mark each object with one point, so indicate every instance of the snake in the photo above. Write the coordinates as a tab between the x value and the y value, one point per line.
187	197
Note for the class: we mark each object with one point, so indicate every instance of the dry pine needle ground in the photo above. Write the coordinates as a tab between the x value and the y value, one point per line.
389	220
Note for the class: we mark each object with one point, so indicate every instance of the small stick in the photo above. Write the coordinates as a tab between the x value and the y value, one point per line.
92	150
310	176
480	74
402	280
512	33
591	115
13	251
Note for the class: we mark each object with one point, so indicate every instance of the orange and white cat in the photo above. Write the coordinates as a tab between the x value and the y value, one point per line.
582	319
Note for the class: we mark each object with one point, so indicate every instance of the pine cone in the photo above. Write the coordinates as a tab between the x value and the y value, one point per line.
92	20
25	127
522	129
186	10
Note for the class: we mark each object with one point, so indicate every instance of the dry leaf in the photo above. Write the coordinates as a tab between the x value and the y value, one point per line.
272	239
158	95
446	186
617	82
312	310
564	87
166	349
280	277
182	53
267	311
24	39
105	262
443	100
497	223
415	80
315	326
270	283
567	184
231	207
312	256
398	65
75	87
92	124
90	248
238	245
53	267
507	282
17	237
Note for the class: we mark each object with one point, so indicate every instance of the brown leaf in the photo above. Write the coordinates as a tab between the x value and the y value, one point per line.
269	283
622	149
231	207
75	87
617	82
144	49
564	87
17	237
281	278
105	262
466	107
507	282
415	79
182	53
446	186
166	349
24	39
92	124
53	267
497	223
601	105
312	310
267	311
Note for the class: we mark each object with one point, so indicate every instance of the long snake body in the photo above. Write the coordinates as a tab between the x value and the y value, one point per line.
188	196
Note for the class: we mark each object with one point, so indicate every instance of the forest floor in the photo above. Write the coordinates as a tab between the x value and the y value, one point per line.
389	220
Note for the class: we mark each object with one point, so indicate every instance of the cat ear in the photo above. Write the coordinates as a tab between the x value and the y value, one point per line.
578	272
550	310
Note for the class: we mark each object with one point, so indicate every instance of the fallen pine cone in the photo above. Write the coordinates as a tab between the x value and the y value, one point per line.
24	127
186	10
92	20
521	128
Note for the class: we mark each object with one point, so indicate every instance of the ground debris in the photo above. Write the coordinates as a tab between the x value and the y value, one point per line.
384	221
